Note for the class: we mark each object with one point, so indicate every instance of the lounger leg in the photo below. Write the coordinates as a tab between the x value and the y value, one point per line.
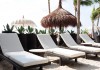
41	68
86	55
1	59
96	55
60	61
75	59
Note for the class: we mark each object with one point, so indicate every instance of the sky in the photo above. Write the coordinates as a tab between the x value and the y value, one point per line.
35	10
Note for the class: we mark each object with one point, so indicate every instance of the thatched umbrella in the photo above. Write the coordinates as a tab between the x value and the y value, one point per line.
24	22
59	18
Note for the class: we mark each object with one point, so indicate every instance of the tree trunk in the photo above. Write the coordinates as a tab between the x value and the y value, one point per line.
98	21
78	21
75	8
49	6
49	11
92	29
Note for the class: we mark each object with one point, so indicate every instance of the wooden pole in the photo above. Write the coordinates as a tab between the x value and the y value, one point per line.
78	21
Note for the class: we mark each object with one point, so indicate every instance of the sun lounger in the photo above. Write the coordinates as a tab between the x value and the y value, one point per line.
88	40
48	44
14	53
73	45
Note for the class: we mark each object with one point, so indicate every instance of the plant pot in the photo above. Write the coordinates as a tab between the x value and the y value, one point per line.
74	36
23	40
38	45
31	41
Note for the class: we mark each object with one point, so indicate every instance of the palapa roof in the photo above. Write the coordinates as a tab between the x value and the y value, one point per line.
59	18
24	22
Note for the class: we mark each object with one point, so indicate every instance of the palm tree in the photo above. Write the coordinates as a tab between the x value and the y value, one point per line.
77	4
97	1
93	18
49	9
78	21
97	12
82	2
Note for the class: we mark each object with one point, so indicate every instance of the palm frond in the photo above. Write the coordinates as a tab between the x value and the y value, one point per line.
86	2
96	1
95	13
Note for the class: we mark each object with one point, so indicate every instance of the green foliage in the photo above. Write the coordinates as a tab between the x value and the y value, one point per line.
84	2
95	13
36	31
21	30
51	31
42	31
75	2
29	29
62	30
96	1
84	31
71	32
8	29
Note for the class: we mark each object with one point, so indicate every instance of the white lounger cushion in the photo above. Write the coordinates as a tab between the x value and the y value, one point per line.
46	41
86	48
68	39
26	59
10	43
67	52
87	39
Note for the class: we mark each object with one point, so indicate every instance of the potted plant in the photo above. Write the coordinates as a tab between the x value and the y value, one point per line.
42	31
8	29
22	37
31	38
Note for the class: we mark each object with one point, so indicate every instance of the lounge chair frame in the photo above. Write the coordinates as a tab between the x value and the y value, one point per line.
61	56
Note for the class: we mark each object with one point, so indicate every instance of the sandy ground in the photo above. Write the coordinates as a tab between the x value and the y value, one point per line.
91	63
